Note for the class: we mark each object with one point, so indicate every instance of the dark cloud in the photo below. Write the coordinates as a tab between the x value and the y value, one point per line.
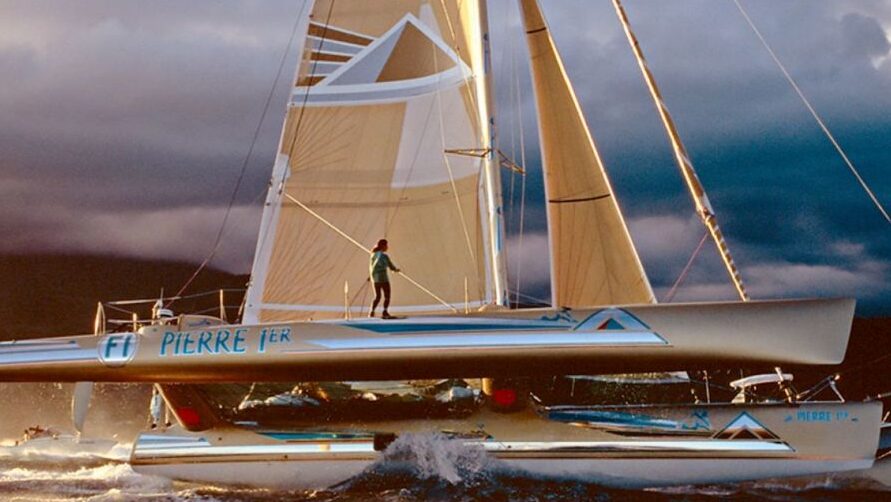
789	206
120	118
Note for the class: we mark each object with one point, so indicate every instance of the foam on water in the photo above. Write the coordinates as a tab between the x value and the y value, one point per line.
80	482
438	457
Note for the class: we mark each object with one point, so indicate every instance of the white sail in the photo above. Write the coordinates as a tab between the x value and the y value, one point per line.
386	136
593	260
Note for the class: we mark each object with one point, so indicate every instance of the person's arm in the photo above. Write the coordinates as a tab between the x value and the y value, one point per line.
391	264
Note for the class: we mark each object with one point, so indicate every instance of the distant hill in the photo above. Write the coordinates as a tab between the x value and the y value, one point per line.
46	295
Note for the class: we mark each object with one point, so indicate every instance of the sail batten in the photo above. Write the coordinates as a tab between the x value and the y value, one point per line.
381	94
593	260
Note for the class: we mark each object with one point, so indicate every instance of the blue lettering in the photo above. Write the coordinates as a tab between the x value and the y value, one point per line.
221	341
815	416
285	335
204	342
127	340
112	342
168	339
239	339
179	343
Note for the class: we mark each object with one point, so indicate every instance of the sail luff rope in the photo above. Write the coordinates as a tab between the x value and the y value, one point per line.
813	112
697	191
219	237
363	248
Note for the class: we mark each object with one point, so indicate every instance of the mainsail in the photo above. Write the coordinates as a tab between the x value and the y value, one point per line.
593	260
387	135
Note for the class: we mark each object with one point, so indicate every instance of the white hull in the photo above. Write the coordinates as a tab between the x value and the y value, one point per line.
286	475
618	473
707	444
649	473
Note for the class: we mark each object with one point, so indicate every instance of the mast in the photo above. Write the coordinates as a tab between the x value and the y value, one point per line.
697	191
494	200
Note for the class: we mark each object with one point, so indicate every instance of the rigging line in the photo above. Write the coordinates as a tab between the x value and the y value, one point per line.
219	237
512	64
346	236
448	166
538	300
146	301
362	288
686	269
814	113
522	138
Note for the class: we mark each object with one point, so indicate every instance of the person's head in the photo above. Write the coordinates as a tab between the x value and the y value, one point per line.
381	245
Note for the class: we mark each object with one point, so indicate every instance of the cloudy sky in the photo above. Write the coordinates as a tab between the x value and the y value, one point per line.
124	125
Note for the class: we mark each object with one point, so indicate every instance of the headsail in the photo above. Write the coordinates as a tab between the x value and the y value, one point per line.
383	93
593	261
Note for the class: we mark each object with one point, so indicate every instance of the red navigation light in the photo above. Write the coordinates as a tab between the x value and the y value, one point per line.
505	397
188	417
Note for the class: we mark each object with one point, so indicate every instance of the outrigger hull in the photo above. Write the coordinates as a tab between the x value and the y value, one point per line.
698	444
499	343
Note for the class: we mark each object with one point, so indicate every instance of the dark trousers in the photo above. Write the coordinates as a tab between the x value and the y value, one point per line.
380	287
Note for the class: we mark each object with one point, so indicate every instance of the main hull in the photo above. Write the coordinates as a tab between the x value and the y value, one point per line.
512	343
644	446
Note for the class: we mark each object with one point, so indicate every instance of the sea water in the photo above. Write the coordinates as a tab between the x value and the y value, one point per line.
414	467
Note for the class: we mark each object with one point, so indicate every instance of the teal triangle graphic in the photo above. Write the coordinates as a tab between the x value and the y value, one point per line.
611	324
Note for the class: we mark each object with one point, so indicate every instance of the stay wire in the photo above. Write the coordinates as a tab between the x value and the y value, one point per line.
522	145
244	165
814	113
683	275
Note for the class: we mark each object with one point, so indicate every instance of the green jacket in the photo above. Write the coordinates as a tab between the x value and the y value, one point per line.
380	262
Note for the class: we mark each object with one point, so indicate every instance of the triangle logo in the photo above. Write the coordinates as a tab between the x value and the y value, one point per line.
613	319
409	50
745	427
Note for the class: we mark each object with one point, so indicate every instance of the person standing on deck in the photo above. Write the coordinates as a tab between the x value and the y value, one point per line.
378	270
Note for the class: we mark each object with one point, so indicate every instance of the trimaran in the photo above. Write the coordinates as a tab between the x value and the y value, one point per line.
390	132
